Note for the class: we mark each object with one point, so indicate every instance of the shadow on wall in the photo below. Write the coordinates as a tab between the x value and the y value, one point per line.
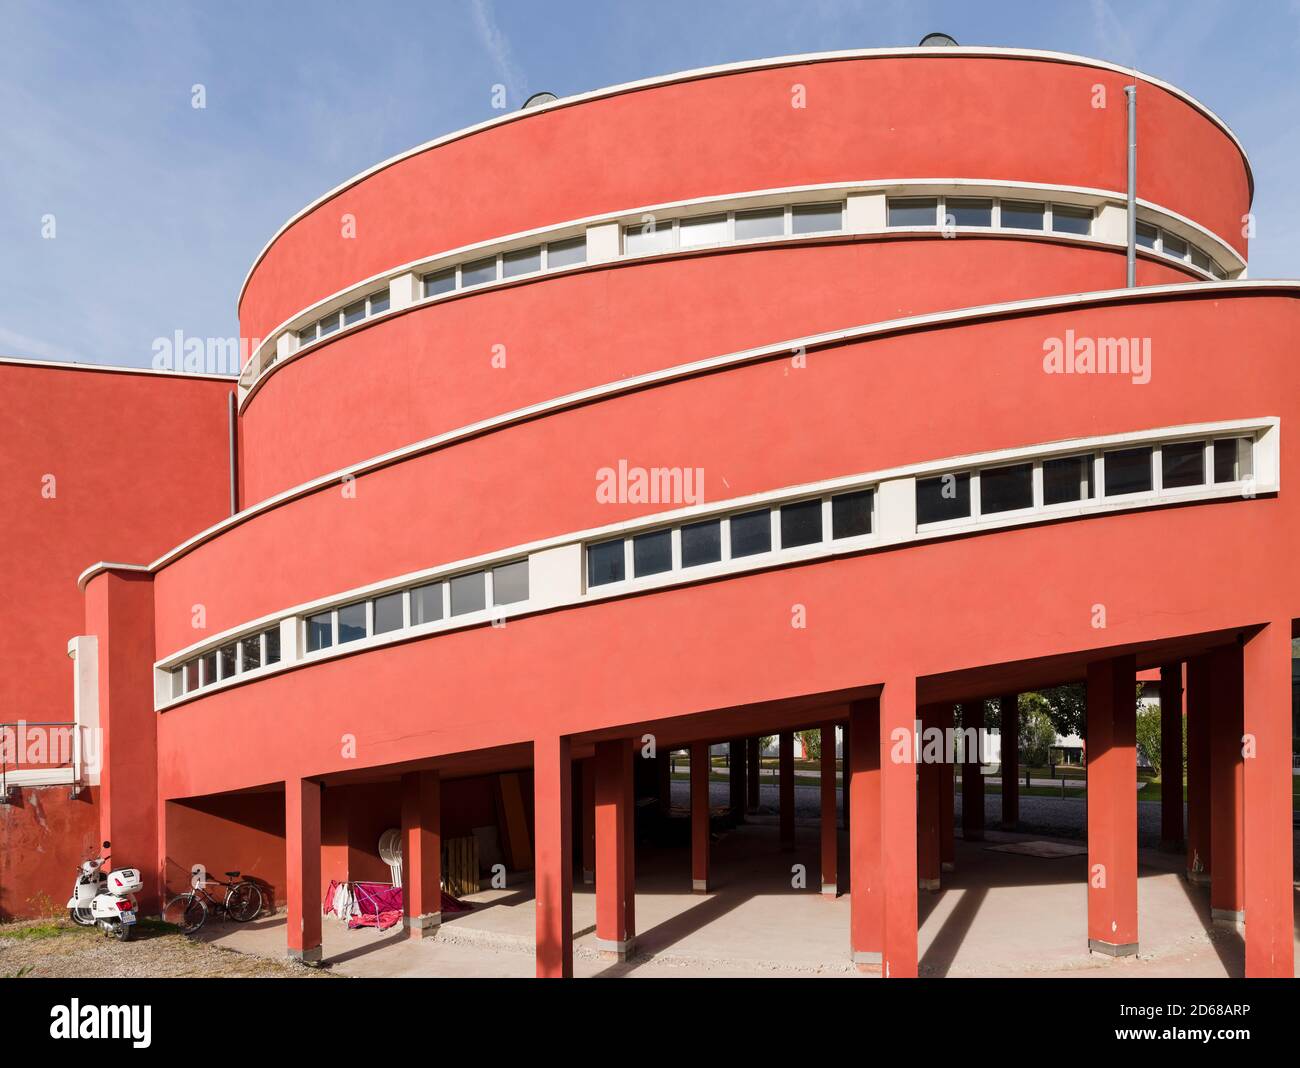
241	832
44	834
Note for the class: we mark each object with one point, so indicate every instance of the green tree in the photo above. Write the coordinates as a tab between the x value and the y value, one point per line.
1037	729
812	743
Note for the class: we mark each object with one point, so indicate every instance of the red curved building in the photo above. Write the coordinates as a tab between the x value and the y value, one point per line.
806	392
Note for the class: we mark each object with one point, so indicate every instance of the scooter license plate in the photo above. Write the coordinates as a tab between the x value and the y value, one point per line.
128	917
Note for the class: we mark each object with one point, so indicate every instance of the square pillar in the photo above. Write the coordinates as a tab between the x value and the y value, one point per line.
1171	756
785	787
829	823
1199	715
947	794
1270	948
929	787
553	856
1227	782
736	779
1009	707
1112	806
615	810
866	877
587	772
752	782
302	839
700	817
898	827
421	853
972	779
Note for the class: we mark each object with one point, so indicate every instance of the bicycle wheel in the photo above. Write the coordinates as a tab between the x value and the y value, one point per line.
244	902
186	911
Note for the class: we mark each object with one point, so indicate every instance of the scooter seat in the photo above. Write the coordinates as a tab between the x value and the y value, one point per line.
233	874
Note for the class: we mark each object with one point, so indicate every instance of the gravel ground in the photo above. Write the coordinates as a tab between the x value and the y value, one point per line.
59	949
1053	816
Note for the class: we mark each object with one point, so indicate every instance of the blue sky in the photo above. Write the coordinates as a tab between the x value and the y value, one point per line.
159	208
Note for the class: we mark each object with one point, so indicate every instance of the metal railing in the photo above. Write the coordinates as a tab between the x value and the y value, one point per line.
27	746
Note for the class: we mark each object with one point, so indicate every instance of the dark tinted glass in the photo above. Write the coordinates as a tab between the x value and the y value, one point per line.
379	302
1004	489
525	261
209	668
605	563
913	211
251	647
468	593
1128	471
942	497
320	632
442	282
388	613
851	514
273	645
1182	464
815	218
1067	478
1146	235
1230	463
751	533
426	603
352	622
969	211
652	553
479	271
226	655
510	583
1019	215
1071	220
702	543
566	253
801	523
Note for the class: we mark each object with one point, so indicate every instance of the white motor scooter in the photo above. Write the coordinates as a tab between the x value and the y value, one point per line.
106	900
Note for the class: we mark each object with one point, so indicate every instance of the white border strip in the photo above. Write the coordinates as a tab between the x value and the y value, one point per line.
1142	294
109	368
702	73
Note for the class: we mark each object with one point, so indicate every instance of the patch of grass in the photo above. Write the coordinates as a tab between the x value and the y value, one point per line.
32	932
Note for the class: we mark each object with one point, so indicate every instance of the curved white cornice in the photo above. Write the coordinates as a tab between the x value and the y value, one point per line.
1142	294
748	65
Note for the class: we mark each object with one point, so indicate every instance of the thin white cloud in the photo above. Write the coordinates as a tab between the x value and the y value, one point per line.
21	346
498	48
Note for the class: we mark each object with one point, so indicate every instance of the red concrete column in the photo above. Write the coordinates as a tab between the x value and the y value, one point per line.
1227	782
421	853
929	787
1171	756
752	782
1270	949
898	827
1112	806
972	780
1009	708
587	769
700	817
947	795
302	827
553	856
1199	716
615	849
785	776
829	828
866	878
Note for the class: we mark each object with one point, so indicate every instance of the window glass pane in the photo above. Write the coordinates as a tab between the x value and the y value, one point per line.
1067	478
702	543
709	230
354	313
801	523
209	662
191	671
388	613
320	632
523	261
1217	271
468	593
1232	459
352	622
1182	463
652	553
851	514
1067	220
1004	489
329	324
566	253
1128	471
648	237
816	218
765	222
226	660
442	282
379	302
913	211
605	563
510	583
1200	259
1146	235
307	336
751	533
478	272
272	637
426	603
942	497
969	211
1022	215
251	647
1174	246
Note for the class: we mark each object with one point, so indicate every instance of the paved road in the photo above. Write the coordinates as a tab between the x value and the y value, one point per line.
1054	816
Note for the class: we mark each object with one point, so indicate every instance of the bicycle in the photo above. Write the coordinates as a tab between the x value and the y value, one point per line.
189	911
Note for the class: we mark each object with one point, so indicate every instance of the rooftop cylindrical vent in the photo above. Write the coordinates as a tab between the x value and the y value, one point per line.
937	40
